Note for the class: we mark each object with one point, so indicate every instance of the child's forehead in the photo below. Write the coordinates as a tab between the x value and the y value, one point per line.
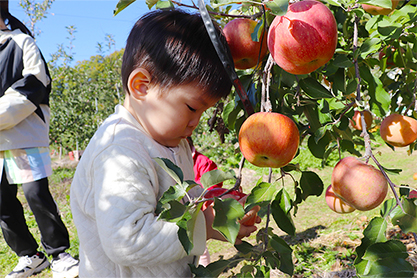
193	92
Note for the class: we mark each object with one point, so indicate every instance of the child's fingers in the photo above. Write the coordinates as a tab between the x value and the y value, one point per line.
244	231
251	217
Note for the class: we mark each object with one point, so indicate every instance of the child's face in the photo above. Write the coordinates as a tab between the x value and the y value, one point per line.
173	114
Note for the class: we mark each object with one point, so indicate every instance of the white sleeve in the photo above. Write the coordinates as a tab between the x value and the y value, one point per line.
21	99
14	108
125	201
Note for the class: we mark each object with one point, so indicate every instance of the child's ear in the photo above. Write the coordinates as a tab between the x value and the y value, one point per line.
138	82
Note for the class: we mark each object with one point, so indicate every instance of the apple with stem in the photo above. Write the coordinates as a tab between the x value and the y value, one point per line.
356	120
359	184
303	39
246	52
269	139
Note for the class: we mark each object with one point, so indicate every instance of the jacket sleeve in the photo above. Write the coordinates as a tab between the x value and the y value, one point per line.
126	189
29	89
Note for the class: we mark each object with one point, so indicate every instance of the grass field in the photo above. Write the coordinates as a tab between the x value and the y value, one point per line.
324	242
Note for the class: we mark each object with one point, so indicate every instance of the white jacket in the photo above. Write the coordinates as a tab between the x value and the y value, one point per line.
113	198
25	85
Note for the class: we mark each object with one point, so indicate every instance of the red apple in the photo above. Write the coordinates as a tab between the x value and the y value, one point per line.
268	139
303	39
412	194
245	52
398	130
359	184
375	10
356	121
335	203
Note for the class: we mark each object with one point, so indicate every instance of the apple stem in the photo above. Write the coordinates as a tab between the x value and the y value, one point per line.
391	184
239	174
355	61
266	82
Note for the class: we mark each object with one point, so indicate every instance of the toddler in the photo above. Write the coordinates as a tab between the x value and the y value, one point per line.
171	74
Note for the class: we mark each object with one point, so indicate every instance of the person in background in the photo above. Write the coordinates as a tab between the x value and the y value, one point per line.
25	85
171	74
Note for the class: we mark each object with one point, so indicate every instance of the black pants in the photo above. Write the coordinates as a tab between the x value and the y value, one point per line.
54	234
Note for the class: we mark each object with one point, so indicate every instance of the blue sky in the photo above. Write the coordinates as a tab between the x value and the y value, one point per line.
93	19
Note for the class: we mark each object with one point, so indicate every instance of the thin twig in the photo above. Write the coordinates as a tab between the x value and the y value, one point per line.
355	61
391	184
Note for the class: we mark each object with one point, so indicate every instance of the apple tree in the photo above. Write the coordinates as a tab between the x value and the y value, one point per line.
372	68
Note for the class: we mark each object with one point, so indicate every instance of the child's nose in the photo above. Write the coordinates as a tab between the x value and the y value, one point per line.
194	122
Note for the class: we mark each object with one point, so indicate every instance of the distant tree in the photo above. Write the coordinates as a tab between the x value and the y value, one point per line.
35	12
82	97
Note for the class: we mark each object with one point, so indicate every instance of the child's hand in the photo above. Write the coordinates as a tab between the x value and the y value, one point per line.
250	218
244	231
247	224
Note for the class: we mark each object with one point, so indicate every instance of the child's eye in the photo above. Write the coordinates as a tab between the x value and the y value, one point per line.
191	109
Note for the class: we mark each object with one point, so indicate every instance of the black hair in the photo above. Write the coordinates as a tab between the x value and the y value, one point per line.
10	20
175	48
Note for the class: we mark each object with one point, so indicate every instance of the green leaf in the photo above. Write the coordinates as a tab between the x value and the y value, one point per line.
216	176
379	3
285	254
185	231
151	3
201	271
333	2
278	7
173	170
230	112
392	170
407	220
311	184
387	207
381	250
387	267
164	5
280	212
188	184
342	61
263	191
175	192
369	46
314	89
258	32
227	212
374	232
244	247
121	5
214	269
318	149
174	211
